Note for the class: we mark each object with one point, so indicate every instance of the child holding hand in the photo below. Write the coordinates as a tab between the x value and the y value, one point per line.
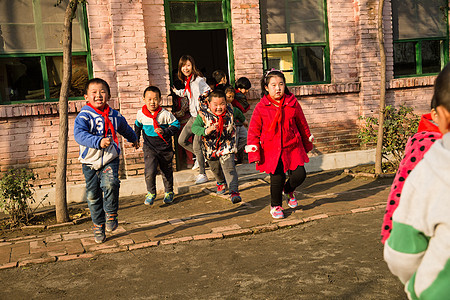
215	125
157	125
95	131
278	140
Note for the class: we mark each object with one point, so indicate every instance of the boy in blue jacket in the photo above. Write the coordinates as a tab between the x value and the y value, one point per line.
95	131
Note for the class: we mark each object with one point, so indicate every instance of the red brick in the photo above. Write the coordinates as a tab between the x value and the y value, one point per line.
143	245
75	256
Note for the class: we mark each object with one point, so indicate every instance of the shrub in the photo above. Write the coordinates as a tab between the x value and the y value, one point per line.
399	125
16	195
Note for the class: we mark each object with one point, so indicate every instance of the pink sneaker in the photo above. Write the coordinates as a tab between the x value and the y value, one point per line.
277	212
290	199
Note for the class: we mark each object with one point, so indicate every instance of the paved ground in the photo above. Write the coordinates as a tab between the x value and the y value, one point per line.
195	215
339	257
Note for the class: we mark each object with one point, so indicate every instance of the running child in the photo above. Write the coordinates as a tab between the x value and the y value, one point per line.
157	125
215	125
95	130
195	86
278	140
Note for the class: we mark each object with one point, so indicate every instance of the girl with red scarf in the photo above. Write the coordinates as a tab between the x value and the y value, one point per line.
279	139
195	86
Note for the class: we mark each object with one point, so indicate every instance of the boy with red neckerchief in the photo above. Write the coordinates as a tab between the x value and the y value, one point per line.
157	125
95	131
215	125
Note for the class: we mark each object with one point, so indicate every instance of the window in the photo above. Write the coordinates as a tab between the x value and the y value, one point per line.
295	39
195	11
420	36
31	51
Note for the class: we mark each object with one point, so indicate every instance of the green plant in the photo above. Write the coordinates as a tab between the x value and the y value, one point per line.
16	194
399	124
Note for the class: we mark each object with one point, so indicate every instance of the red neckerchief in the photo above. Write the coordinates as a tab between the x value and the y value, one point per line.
108	124
188	85
279	114
237	91
221	122
153	117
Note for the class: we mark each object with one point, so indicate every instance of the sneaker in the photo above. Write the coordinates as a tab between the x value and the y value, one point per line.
195	166
201	178
149	199
235	198
99	233
290	199
221	187
168	197
111	222
277	212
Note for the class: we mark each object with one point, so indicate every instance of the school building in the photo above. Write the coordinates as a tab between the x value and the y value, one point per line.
328	50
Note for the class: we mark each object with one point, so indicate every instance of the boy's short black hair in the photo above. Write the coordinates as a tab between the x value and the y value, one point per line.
97	80
243	83
217	94
442	89
218	75
153	89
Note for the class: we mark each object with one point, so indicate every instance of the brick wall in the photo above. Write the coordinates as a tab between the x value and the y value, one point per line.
129	50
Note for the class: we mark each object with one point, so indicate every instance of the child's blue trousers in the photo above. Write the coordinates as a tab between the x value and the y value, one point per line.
102	190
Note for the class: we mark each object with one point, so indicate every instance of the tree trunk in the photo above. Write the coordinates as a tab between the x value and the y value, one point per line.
378	156
62	214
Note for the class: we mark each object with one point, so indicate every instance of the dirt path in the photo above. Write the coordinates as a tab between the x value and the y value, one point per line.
335	258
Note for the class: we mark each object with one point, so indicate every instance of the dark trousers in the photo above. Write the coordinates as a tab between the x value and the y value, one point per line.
152	160
278	182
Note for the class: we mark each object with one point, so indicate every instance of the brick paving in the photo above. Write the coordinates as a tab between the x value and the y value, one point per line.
210	216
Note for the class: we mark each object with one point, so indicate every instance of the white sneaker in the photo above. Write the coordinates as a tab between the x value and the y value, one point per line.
195	166
201	178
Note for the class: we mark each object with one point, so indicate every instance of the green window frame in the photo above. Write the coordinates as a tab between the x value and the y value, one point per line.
420	37
40	62
289	43
196	22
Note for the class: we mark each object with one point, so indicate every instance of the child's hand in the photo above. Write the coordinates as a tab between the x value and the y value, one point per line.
211	129
245	124
135	144
105	142
159	130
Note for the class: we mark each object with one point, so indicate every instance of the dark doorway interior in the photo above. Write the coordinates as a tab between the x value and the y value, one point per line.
207	47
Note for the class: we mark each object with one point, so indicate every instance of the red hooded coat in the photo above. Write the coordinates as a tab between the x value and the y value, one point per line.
289	139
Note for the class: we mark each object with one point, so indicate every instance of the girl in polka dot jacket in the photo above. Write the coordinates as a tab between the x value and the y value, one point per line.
416	147
418	248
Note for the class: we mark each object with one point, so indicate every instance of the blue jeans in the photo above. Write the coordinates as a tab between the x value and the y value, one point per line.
102	190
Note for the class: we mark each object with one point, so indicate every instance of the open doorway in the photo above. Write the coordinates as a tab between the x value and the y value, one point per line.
209	50
207	47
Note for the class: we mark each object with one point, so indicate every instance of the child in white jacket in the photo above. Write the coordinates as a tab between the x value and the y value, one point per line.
418	249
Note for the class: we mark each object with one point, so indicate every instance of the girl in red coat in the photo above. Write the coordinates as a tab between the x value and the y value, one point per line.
278	140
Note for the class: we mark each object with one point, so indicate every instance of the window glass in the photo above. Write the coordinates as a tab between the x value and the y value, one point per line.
404	59
17	38
14	11
306	22
311	64
419	18
37	26
431	58
20	79
210	11
79	75
182	12
273	22
282	57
